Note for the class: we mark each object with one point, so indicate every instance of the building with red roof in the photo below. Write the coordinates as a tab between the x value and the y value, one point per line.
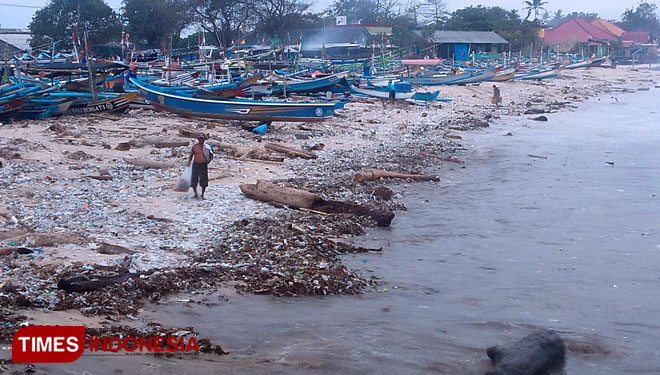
576	31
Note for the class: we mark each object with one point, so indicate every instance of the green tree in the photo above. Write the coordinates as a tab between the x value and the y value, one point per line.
365	11
644	18
433	11
140	16
224	18
557	18
57	20
587	16
278	17
534	6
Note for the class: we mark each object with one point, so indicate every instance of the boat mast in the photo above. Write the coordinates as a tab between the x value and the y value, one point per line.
90	71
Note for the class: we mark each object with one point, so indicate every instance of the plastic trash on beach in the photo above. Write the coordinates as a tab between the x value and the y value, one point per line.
261	129
183	183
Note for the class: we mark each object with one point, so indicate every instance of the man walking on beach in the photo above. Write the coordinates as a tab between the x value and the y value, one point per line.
201	156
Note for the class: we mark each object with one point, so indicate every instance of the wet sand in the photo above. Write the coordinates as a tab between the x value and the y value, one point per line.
509	243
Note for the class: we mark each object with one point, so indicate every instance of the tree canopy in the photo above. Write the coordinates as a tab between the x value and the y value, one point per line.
152	22
57	20
643	18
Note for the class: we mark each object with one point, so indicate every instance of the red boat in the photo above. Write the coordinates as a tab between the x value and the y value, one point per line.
11	107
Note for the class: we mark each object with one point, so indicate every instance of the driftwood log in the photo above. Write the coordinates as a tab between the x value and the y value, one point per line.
165	144
81	284
246	153
376	174
536	353
106	248
290	151
269	192
148	163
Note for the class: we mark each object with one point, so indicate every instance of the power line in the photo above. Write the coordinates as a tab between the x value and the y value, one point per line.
21	6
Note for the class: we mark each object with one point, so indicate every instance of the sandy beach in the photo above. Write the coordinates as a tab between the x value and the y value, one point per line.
74	203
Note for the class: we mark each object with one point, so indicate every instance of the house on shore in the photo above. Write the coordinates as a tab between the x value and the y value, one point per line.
14	41
346	41
459	45
600	38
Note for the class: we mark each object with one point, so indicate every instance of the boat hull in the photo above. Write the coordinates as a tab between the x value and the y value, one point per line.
249	110
118	104
10	108
383	94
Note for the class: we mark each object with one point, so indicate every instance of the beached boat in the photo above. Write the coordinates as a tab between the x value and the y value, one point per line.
539	75
234	109
9	108
382	92
426	96
105	103
580	64
300	86
34	109
504	75
431	80
475	78
421	62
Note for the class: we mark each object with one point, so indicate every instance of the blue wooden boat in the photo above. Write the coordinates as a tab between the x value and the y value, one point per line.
437	80
298	86
475	78
426	96
34	109
233	109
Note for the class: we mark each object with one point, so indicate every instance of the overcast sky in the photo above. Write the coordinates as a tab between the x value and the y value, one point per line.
19	17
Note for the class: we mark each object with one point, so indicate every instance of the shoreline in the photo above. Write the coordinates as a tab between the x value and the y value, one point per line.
419	138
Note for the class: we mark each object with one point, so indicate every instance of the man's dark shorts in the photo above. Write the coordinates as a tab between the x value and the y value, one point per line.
200	174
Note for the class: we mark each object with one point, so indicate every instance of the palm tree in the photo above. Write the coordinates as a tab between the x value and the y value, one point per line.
534	6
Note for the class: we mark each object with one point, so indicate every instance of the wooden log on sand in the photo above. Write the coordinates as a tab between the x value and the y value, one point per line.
290	151
165	144
376	174
106	248
534	354
272	193
148	163
81	284
269	192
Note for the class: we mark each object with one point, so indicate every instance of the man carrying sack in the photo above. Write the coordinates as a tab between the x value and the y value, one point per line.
201	156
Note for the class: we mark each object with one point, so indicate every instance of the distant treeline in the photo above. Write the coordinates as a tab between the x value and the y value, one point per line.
160	23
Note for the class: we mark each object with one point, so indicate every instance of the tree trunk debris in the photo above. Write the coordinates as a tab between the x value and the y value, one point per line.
272	193
148	163
290	151
376	174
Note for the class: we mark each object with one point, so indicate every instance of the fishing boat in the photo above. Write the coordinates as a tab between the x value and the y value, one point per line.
421	62
300	86
84	103
383	92
598	62
430	80
234	109
426	96
504	75
475	78
539	75
9	108
580	64
34	109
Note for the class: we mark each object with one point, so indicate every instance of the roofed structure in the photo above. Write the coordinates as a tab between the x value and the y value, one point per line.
629	38
577	30
608	26
467	37
14	40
